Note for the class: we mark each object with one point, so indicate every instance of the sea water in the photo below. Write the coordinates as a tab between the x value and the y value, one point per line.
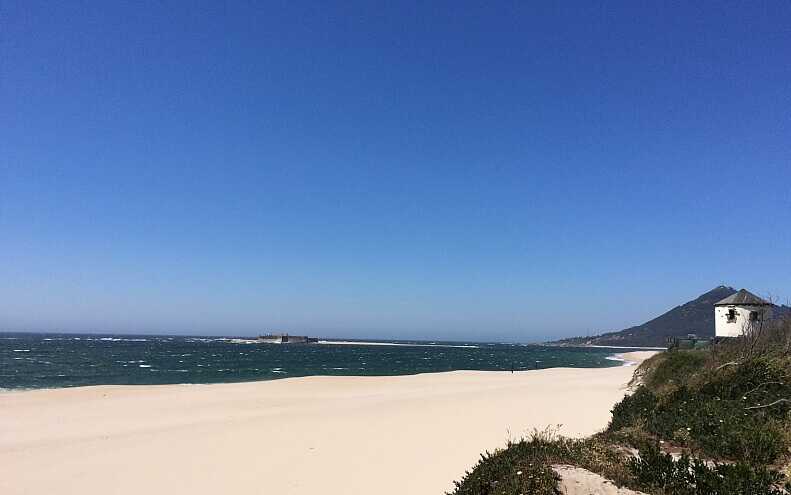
29	361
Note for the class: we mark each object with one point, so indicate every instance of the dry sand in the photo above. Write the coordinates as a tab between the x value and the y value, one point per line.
331	435
578	481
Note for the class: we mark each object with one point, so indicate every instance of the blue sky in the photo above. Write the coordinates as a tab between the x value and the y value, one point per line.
452	170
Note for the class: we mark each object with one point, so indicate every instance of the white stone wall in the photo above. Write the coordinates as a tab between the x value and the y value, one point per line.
724	328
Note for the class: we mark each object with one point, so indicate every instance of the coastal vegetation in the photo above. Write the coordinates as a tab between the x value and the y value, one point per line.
712	421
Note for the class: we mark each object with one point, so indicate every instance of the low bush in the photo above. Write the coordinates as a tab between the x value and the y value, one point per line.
720	410
634	410
525	466
520	468
658	473
669	369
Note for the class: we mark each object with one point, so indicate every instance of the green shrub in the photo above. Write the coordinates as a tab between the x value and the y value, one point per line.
756	381
633	410
520	468
504	473
525	466
659	473
715	427
669	369
695	400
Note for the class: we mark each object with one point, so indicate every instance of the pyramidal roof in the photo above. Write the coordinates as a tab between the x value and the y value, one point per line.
743	297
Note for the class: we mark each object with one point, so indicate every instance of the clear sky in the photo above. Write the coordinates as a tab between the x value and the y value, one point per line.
439	170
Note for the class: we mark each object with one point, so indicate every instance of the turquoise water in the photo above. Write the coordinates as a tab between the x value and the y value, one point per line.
29	361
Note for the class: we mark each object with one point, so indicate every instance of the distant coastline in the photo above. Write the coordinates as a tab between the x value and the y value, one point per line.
639	348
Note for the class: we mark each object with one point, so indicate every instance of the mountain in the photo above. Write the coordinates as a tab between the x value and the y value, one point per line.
696	316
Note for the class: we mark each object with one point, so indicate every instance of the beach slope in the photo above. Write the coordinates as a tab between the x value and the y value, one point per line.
332	435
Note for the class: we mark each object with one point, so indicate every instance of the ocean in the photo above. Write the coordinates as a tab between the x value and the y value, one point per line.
32	361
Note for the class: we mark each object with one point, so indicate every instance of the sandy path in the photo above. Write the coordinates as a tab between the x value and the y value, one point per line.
330	435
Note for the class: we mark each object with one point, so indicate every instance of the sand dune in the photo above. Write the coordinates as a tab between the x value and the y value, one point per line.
338	435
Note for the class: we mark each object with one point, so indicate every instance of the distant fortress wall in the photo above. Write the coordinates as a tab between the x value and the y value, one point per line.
287	339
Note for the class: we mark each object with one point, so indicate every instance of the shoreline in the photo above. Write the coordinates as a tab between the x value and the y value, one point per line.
619	357
321	434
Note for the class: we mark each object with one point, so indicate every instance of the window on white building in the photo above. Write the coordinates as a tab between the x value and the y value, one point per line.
731	316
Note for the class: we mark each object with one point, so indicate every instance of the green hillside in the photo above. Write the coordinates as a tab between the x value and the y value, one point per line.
696	316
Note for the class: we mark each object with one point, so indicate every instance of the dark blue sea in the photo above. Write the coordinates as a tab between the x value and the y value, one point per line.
30	361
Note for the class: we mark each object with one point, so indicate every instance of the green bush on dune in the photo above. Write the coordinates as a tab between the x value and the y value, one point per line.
657	472
718	409
525	466
714	427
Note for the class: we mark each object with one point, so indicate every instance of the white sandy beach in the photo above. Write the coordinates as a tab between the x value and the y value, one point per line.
331	435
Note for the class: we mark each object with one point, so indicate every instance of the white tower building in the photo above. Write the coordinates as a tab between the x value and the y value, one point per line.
737	313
